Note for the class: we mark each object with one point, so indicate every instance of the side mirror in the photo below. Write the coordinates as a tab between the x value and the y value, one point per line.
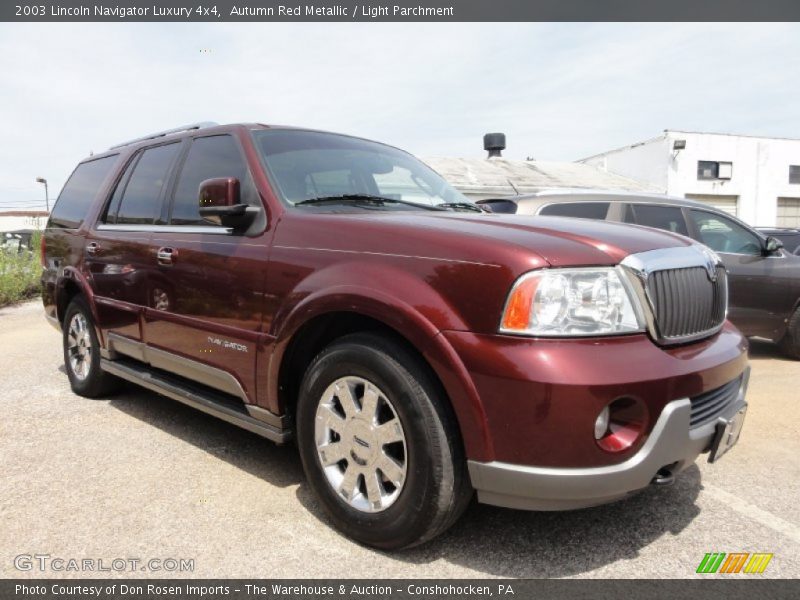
220	203
772	244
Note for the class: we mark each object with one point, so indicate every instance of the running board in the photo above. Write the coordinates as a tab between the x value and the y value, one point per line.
208	401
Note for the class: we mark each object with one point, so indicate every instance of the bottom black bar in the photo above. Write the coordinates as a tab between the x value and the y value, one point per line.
722	588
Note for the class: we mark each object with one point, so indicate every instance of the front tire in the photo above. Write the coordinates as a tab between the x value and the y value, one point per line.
790	344
379	446
82	353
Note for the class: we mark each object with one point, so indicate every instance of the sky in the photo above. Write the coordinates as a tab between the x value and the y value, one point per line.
559	91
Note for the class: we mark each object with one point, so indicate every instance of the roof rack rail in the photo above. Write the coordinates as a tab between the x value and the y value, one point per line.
167	132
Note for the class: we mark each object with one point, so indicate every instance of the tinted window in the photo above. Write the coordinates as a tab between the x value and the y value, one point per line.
583	210
79	192
332	183
668	218
401	183
725	235
628	216
209	157
790	242
307	164
110	214
142	194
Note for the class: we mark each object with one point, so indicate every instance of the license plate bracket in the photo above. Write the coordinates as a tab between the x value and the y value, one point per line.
727	434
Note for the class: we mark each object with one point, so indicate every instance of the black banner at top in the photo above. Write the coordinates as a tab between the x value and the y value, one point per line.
399	10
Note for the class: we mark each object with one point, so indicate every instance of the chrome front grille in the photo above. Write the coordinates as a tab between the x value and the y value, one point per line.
686	302
683	292
707	407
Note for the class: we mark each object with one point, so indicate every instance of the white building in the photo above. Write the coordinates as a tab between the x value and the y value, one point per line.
755	178
16	220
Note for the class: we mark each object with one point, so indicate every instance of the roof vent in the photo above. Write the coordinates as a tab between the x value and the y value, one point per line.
494	144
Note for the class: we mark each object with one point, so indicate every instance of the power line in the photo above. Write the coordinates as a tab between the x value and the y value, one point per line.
23	207
10	201
15	202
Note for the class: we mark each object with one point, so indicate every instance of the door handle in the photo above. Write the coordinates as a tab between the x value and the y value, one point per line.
166	256
92	248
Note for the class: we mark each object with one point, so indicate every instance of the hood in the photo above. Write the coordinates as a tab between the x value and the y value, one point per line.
559	241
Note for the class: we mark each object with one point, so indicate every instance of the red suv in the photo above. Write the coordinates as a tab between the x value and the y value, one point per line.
336	291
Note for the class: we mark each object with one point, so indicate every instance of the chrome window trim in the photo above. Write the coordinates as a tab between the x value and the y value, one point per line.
167	228
640	266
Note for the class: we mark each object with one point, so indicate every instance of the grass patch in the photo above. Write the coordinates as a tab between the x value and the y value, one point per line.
20	274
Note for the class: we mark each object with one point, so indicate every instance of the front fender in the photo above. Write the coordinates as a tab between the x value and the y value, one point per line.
410	308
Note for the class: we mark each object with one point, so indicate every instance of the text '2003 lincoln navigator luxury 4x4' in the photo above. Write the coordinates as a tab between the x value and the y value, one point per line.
337	291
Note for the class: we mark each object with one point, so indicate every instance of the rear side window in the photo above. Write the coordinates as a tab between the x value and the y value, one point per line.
583	210
140	200
208	158
668	218
80	191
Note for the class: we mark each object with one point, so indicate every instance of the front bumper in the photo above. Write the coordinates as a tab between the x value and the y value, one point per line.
671	446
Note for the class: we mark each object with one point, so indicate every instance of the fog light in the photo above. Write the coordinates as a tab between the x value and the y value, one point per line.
621	424
601	424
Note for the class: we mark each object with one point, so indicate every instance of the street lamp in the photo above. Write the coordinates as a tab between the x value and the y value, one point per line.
46	195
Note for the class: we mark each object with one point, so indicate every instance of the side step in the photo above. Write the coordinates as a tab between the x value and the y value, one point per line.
208	401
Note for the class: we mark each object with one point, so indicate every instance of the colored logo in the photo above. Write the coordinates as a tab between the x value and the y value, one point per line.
736	562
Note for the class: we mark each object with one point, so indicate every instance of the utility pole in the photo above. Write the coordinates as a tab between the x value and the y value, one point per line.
46	194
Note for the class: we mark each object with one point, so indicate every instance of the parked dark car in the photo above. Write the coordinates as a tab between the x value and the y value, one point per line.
790	236
17	242
321	287
764	278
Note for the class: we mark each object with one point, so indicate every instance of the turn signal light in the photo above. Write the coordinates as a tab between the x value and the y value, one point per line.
517	315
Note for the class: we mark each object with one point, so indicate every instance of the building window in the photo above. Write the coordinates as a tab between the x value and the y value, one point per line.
788	212
711	170
794	173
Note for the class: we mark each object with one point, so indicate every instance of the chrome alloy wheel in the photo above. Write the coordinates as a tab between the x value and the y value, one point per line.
361	444
79	346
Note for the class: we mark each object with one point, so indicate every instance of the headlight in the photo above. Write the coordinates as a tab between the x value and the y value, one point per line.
572	302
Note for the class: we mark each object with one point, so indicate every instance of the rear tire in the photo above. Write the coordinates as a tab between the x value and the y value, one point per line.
82	353
350	390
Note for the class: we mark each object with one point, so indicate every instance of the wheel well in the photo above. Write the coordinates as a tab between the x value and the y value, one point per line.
313	337
64	297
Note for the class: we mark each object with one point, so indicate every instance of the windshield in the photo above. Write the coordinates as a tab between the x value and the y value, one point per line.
306	165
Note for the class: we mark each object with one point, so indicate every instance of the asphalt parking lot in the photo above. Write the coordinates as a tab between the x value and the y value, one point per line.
140	476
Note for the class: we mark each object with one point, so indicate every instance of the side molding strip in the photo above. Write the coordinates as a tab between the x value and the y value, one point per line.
185	367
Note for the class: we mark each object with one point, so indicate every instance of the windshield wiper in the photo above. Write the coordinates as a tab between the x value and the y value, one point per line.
364	199
465	205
